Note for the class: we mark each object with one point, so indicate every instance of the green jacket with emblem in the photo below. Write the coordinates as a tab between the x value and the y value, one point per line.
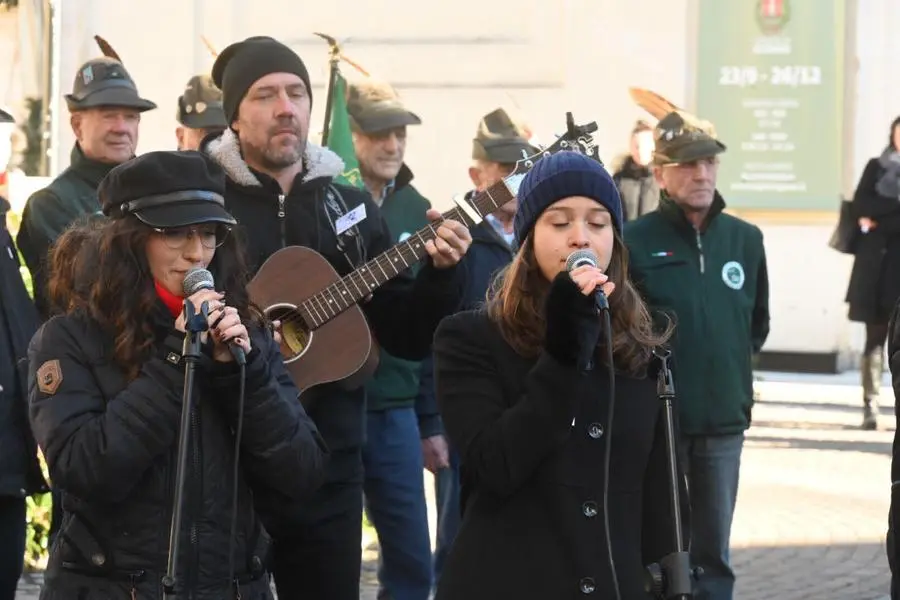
395	383
713	283
49	211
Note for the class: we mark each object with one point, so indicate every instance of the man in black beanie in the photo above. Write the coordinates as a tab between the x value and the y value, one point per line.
280	190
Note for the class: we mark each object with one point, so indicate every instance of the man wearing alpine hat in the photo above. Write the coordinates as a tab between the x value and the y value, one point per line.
200	112
707	271
105	111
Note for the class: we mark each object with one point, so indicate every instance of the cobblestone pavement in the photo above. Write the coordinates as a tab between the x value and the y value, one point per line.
813	500
814	493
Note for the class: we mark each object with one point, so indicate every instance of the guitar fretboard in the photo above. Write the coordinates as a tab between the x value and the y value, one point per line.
348	291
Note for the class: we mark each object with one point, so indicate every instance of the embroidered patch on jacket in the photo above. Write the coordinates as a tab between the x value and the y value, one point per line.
49	376
733	275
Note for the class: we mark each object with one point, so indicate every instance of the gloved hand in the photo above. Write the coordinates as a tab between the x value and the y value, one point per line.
573	323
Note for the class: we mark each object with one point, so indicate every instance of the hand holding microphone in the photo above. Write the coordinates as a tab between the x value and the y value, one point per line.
582	268
230	338
571	310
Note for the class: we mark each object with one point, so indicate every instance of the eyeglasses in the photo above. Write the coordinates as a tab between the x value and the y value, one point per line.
211	236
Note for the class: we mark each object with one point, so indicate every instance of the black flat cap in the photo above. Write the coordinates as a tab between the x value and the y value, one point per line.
167	189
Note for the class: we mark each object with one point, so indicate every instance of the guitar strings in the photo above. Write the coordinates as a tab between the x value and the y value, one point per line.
320	307
347	291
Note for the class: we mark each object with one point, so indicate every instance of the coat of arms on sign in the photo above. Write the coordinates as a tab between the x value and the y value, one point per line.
772	15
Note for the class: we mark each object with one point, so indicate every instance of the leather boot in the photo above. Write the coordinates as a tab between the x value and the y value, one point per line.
872	368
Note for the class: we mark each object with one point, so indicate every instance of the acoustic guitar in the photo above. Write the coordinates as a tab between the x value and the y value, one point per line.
325	336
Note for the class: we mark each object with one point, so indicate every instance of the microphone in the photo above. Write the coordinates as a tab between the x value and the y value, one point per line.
200	279
579	258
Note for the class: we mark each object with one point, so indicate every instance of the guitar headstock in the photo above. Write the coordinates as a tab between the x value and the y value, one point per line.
577	138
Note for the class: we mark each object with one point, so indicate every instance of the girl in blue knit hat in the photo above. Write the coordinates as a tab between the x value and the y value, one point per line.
523	387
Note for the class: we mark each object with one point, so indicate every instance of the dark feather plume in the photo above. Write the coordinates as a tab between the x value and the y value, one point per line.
106	49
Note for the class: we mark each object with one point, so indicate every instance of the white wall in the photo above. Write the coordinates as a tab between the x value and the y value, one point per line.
453	62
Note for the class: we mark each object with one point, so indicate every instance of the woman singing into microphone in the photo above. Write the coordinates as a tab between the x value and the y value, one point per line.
523	389
106	390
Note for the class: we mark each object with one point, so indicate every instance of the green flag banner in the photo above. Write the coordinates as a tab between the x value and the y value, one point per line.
340	139
770	78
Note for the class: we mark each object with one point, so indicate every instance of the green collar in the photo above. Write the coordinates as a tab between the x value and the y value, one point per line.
404	177
92	171
674	213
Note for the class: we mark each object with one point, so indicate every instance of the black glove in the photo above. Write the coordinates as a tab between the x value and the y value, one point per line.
573	323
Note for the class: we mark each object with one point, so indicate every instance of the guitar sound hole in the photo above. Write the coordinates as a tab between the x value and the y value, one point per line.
295	336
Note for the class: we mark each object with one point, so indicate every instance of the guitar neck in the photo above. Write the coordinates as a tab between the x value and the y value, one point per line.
348	291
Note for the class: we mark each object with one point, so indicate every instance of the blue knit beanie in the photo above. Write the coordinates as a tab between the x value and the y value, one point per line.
559	176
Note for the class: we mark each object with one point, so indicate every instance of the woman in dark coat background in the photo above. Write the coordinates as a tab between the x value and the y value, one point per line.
523	390
874	281
893	539
105	398
20	473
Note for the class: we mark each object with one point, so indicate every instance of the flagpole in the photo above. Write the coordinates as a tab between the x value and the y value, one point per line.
334	58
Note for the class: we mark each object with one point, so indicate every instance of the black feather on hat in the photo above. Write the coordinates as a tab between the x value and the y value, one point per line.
104	81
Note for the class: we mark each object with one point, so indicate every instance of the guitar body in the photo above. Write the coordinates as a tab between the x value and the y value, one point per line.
341	350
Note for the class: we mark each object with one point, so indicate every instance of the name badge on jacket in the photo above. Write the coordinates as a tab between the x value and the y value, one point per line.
350	219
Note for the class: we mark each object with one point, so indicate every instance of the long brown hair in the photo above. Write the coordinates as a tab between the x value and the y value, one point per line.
516	304
120	294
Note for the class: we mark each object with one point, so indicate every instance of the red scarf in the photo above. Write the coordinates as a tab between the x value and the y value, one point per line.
174	303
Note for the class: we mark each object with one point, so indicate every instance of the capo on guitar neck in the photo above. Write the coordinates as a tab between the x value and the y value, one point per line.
468	209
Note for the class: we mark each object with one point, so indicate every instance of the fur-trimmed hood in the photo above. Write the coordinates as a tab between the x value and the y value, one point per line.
618	162
225	150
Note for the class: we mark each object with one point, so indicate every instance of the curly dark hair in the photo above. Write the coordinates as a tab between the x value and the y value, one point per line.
69	266
119	293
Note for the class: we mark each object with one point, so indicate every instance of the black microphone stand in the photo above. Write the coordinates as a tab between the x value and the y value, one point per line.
194	325
671	578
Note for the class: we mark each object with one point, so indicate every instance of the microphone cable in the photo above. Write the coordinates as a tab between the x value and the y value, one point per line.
611	370
239	430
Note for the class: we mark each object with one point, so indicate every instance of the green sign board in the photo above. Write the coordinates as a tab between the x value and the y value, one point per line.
770	78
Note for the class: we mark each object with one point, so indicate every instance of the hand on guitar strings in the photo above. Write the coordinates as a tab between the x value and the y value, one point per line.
451	244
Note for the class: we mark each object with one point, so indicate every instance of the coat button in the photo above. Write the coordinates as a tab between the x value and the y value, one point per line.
595	430
589	509
587	585
98	559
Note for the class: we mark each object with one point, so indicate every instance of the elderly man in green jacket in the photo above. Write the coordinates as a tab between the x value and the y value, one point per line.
706	270
400	442
105	111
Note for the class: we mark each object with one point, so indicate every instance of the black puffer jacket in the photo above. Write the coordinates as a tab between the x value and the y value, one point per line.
111	446
20	473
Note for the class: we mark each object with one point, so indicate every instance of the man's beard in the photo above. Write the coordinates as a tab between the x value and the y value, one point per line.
276	158
282	157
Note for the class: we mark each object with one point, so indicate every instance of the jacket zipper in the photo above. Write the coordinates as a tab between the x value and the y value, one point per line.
281	218
703	303
700	251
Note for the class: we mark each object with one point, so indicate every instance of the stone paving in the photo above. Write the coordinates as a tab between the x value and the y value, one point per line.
813	500
814	494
